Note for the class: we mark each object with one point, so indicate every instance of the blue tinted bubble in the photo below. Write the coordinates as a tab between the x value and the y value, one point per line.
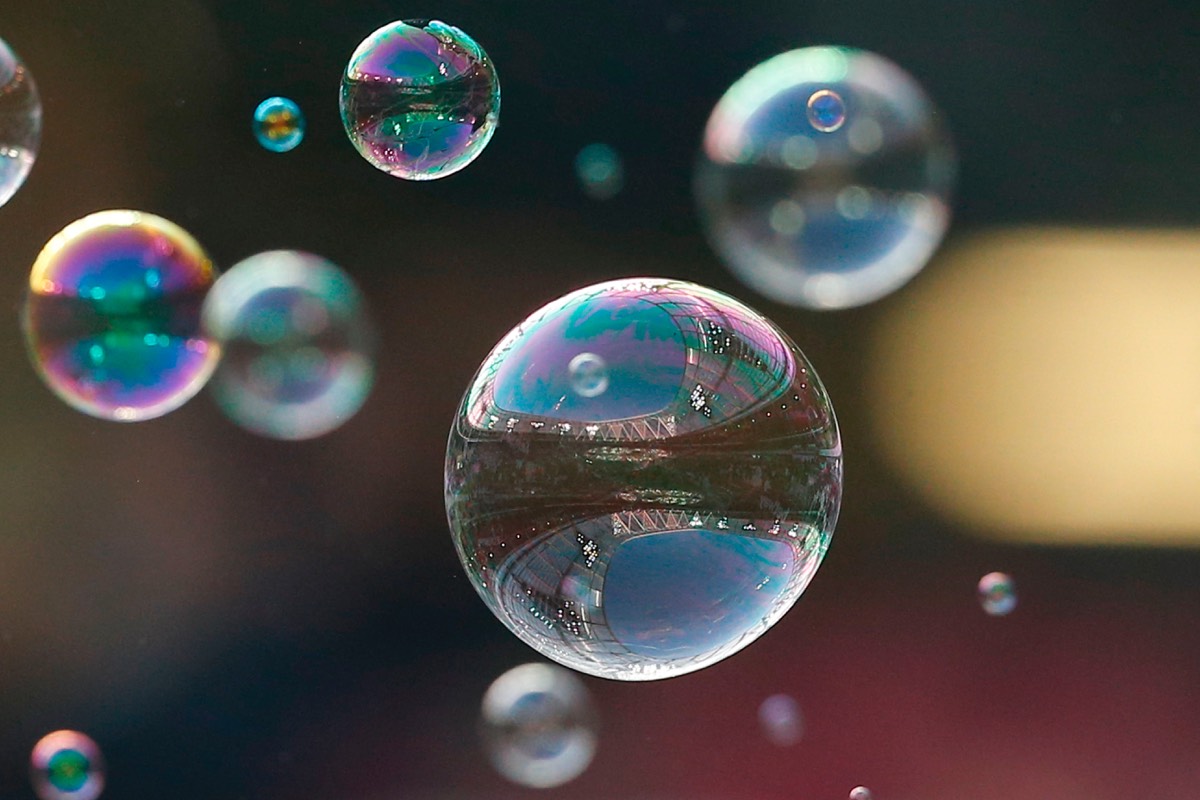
826	111
20	122
66	765
278	124
600	170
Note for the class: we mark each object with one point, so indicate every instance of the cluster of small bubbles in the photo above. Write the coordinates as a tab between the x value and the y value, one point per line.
278	124
781	720
861	793
997	594
66	765
297	342
112	315
420	99
824	178
20	122
622	470
600	170
539	726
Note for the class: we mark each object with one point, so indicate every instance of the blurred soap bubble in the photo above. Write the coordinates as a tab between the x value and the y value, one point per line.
66	765
997	594
781	720
600	170
861	793
20	122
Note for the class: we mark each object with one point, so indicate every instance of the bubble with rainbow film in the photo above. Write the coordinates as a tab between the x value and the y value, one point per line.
278	124
112	316
824	177
297	343
665	523
997	594
20	122
420	99
66	765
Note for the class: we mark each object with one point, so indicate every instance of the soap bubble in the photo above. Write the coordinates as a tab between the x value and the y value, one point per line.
297	341
112	317
824	178
589	375
420	99
20	122
66	765
781	720
664	524
861	793
997	594
539	725
600	171
278	124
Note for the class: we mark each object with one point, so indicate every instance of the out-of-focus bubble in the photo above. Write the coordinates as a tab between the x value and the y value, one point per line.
781	720
539	725
589	375
824	178
601	171
66	765
278	124
112	317
298	344
20	122
997	594
861	793
666	523
420	99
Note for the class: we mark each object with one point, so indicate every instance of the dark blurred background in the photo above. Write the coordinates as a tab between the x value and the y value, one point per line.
235	617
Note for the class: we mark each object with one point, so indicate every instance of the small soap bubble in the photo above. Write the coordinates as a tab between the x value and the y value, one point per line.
539	726
589	375
997	594
298	344
20	122
861	793
420	99
66	765
601	171
781	720
826	111
112	316
278	124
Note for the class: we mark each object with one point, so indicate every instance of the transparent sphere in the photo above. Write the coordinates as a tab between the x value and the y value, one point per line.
20	122
997	594
278	124
861	793
539	726
420	99
112	316
297	342
661	525
781	720
66	765
600	171
824	178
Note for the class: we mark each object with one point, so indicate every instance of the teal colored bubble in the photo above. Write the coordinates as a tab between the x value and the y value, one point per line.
279	124
66	765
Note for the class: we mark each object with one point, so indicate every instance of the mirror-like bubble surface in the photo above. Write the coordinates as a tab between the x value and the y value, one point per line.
20	122
112	317
539	726
420	99
278	124
600	170
781	720
997	594
824	178
664	524
589	375
66	765
298	344
861	793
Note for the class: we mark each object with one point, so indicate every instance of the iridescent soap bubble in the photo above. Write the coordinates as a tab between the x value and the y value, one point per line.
659	526
600	170
861	793
781	720
824	178
539	726
112	317
66	765
420	99
20	122
278	124
297	344
997	594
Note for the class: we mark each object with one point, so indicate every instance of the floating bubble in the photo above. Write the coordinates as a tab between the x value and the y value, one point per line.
589	375
112	317
861	793
297	344
539	726
661	525
781	720
20	122
420	99
66	765
824	178
278	124
600	170
997	594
